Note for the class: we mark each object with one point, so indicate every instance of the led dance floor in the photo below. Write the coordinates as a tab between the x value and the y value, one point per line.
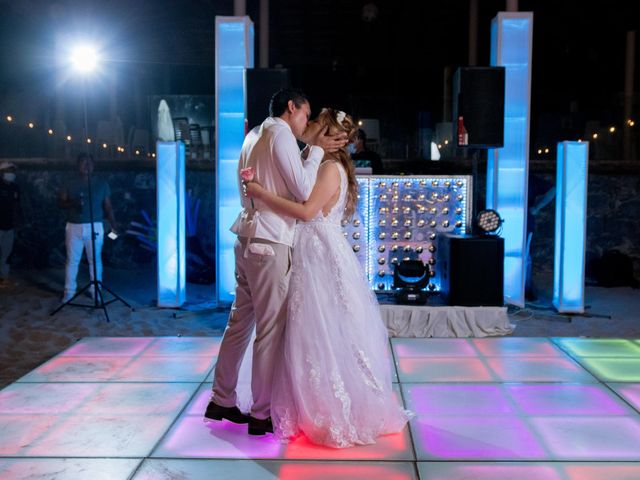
486	409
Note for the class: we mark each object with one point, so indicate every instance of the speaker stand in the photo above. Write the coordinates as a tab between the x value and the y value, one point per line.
475	155
566	317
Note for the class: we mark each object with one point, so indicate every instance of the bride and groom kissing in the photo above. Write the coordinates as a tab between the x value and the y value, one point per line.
320	363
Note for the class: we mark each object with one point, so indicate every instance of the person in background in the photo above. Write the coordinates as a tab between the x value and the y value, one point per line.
362	156
74	198
10	214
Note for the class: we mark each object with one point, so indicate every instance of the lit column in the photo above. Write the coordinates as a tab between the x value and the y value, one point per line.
507	167
170	173
571	226
234	53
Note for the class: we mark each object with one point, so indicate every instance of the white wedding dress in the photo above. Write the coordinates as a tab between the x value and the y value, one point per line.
334	381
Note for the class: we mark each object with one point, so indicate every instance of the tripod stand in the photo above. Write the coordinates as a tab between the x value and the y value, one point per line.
94	284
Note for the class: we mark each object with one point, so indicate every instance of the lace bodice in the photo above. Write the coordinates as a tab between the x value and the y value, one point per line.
335	214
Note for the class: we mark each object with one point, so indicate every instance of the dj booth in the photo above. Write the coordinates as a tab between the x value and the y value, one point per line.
428	218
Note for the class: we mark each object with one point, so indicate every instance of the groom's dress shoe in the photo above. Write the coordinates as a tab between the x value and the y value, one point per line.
218	412
260	427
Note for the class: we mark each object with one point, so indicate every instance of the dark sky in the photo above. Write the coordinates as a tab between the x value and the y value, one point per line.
388	65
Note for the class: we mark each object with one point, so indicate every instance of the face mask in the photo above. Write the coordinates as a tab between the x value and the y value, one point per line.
9	177
351	148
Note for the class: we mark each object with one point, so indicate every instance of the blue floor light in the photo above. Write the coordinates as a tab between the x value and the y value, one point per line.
170	173
234	53
507	167
571	226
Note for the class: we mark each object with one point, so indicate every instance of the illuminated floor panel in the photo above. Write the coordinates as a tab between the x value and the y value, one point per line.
538	369
68	468
166	369
528	471
516	346
590	438
272	470
132	408
432	347
444	369
184	346
629	391
599	347
613	369
467	438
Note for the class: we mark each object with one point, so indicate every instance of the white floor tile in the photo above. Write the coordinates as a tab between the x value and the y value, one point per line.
67	468
273	470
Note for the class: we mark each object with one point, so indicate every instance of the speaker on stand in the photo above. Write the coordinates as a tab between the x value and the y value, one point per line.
478	113
473	265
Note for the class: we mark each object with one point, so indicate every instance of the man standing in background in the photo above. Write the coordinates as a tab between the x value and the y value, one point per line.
74	198
9	214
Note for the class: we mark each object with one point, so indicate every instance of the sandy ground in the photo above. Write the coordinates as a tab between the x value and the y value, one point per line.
29	335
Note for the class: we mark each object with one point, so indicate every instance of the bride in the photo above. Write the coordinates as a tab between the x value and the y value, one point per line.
334	381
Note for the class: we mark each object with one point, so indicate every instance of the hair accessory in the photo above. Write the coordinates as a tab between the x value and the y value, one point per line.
340	116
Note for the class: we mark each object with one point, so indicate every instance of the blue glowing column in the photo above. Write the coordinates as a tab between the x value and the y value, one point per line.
171	224
571	226
507	167
234	53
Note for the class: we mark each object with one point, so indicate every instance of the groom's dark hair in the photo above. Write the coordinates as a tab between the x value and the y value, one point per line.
280	100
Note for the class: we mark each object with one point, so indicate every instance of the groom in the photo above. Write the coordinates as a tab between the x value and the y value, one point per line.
263	255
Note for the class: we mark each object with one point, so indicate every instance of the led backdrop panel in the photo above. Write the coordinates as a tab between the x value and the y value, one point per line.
170	172
406	215
507	167
234	53
571	226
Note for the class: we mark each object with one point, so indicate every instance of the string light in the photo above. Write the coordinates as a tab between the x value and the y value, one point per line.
88	140
31	125
594	136
69	138
612	129
50	131
9	118
546	150
104	145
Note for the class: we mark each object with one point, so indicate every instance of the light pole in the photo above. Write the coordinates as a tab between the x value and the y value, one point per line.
84	60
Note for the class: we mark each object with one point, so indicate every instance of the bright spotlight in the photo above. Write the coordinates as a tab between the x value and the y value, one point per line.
84	58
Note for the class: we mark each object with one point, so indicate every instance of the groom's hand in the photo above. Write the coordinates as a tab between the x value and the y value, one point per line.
330	143
253	189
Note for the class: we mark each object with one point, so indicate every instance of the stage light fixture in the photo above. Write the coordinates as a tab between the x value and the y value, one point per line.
410	277
488	221
84	58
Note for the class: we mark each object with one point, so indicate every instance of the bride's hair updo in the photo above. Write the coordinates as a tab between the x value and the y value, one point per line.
338	121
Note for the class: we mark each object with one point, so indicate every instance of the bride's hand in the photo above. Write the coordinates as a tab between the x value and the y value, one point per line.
253	189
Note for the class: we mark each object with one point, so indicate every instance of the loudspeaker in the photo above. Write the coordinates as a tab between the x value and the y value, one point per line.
261	84
472	269
478	97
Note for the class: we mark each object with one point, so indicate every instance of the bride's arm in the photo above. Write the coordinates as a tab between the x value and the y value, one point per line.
326	186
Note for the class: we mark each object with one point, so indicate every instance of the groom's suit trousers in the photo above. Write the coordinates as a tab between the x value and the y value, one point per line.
262	283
